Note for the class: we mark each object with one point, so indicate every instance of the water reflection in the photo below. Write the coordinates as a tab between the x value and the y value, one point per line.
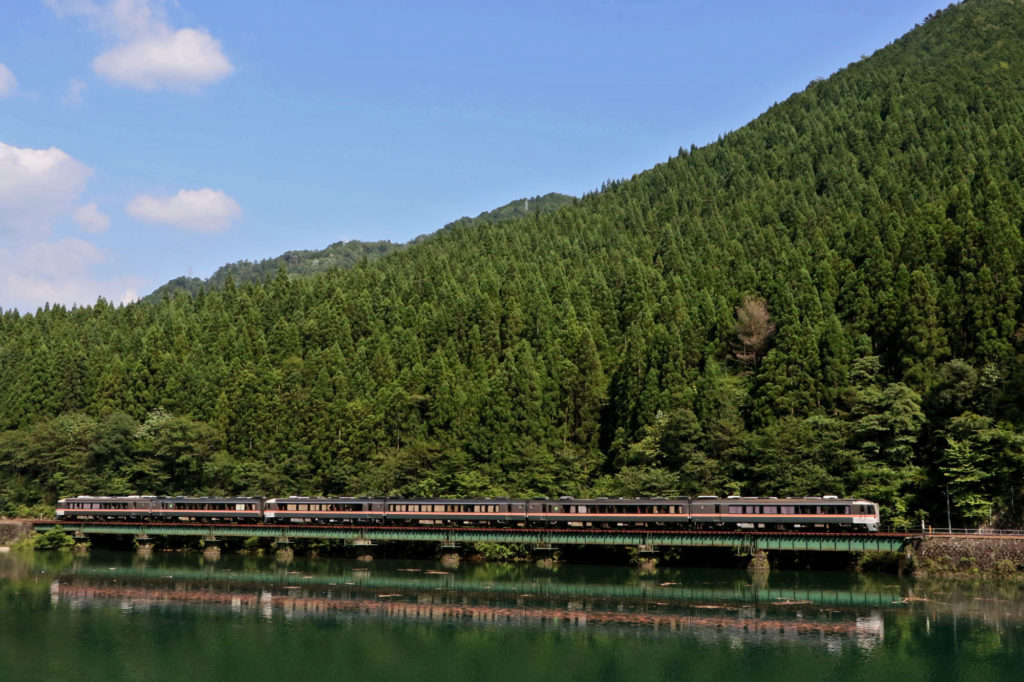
711	605
188	618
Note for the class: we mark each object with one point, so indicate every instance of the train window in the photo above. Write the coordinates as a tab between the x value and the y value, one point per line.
735	509
770	509
787	509
750	509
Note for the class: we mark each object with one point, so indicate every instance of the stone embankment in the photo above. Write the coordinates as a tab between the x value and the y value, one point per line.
970	555
12	531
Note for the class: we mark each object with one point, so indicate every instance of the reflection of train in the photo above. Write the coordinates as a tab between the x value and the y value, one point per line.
771	513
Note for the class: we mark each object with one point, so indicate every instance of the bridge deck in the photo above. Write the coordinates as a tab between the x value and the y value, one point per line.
746	540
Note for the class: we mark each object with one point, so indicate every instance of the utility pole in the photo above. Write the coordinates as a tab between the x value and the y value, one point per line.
949	519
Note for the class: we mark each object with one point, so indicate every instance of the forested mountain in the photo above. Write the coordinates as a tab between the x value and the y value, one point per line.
520	208
826	301
297	263
341	254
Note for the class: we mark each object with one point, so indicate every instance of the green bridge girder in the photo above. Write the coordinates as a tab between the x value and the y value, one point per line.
746	541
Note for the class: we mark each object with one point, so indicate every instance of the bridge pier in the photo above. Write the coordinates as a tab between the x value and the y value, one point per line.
450	557
143	545
364	549
646	559
211	548
82	543
544	554
759	562
283	549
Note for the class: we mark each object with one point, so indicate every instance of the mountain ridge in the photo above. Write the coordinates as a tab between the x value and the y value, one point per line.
343	254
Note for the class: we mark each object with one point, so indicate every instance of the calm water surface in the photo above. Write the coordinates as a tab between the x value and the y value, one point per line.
116	616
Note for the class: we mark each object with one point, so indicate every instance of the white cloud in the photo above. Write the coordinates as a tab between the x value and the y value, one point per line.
58	272
91	219
181	61
37	186
8	83
73	96
201	210
150	54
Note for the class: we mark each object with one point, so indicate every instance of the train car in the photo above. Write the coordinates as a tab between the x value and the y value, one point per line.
105	508
609	512
351	510
705	512
464	512
207	509
772	513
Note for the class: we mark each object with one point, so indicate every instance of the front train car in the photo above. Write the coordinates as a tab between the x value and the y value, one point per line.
105	508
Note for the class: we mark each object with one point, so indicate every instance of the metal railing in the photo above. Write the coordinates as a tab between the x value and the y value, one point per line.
1004	532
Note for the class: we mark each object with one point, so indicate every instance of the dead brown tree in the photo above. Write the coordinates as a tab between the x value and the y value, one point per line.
753	327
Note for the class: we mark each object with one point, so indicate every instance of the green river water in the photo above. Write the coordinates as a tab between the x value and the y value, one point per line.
116	616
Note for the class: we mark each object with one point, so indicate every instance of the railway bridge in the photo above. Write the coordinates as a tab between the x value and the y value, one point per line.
645	541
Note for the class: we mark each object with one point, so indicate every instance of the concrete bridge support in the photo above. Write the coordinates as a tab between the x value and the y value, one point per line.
211	548
364	549
646	559
283	550
144	545
82	543
450	556
759	562
543	554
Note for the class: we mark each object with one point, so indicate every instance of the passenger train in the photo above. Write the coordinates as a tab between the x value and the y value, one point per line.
705	512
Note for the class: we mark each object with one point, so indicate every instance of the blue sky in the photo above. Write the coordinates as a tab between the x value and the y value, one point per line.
141	140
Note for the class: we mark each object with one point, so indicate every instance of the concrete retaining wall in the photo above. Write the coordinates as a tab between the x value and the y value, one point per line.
11	531
970	556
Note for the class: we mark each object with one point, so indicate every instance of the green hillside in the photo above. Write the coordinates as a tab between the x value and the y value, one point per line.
826	301
341	254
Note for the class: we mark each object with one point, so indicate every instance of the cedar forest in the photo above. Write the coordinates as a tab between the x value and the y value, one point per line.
825	301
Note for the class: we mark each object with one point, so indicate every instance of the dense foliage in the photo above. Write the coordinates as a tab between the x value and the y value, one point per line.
296	263
826	301
340	254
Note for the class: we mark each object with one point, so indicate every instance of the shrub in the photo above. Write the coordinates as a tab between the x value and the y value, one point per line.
53	539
